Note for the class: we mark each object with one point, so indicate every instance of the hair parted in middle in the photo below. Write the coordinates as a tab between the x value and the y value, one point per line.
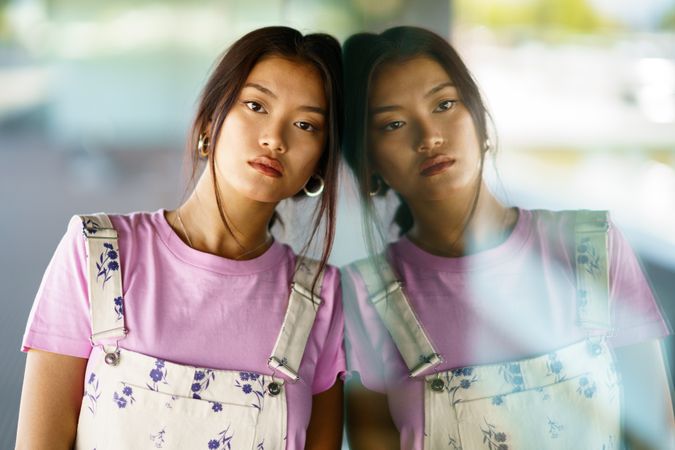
363	55
223	87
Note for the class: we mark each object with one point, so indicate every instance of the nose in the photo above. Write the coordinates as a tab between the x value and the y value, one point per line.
272	138
429	138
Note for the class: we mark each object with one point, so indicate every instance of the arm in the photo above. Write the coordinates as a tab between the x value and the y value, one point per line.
647	408
50	401
325	424
369	423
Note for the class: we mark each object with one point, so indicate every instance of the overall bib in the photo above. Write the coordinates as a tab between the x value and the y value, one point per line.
136	401
566	399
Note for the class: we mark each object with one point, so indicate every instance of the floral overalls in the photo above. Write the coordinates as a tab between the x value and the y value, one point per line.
566	399
135	401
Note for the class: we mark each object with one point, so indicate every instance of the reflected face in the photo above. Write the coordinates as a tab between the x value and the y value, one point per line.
273	137
422	137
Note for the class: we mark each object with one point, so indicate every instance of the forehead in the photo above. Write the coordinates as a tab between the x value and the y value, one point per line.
410	78
289	79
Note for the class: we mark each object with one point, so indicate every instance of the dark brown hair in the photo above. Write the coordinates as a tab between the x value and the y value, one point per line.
363	55
223	88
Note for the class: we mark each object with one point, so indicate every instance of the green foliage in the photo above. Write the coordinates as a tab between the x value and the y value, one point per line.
563	15
668	20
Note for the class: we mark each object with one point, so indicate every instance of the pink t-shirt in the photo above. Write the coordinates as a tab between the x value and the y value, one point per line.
193	308
510	302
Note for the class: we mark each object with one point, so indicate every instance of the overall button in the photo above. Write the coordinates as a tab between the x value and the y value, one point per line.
112	359
595	349
274	388
437	385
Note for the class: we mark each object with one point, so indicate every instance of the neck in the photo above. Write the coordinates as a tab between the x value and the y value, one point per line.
203	228
448	228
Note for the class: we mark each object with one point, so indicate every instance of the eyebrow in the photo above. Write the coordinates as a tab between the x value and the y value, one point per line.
261	88
432	91
308	108
439	87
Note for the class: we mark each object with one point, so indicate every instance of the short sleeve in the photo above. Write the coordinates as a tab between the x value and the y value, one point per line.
636	313
331	361
59	319
365	334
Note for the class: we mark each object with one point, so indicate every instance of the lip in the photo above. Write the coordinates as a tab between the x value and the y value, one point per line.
436	165
267	166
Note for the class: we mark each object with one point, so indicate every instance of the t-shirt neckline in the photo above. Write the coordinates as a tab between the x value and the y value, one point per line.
405	249
208	261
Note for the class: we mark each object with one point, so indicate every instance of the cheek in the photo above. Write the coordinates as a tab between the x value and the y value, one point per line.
236	128
306	151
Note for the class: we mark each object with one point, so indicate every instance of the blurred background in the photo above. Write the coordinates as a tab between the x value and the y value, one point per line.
96	99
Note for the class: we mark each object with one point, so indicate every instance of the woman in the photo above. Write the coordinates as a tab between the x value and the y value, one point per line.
482	326
192	346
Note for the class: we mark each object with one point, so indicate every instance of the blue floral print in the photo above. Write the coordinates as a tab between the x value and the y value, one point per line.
125	398
159	438
157	375
246	376
586	387
92	392
555	367
554	428
609	445
223	441
468	378
119	308
495	440
89	227
512	375
107	263
462	371
216	406
452	443
201	380
254	383
587	257
498	400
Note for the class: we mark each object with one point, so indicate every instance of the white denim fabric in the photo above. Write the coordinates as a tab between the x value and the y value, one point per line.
568	398
136	401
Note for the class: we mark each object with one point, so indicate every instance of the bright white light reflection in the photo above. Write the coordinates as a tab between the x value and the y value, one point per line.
524	312
657	194
656	95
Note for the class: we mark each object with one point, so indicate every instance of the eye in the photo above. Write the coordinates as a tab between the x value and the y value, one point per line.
255	107
395	125
305	126
445	105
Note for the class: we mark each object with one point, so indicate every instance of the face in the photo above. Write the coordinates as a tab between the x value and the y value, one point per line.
273	137
422	137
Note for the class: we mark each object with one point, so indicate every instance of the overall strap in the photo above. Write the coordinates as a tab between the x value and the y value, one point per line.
303	304
592	269
105	280
387	296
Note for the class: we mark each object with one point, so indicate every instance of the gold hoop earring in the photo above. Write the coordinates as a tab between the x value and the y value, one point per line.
487	145
203	145
377	190
316	192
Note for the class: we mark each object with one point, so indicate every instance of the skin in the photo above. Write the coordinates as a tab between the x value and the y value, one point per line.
280	114
417	114
369	423
50	401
